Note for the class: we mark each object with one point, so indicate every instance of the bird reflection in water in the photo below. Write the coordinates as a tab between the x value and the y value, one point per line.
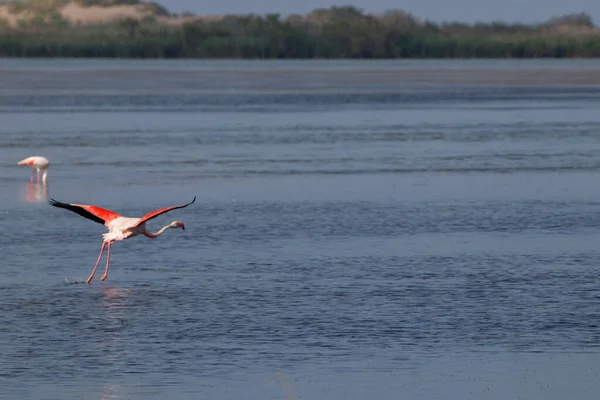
110	392
34	192
113	296
116	315
115	307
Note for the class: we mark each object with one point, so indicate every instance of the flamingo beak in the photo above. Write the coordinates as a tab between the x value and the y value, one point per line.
182	226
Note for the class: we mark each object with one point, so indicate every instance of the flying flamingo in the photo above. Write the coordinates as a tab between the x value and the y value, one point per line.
38	164
119	227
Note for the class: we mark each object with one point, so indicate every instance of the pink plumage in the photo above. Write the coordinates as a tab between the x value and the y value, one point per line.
38	163
119	227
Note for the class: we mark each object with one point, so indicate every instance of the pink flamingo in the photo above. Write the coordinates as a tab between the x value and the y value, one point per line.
119	227
38	164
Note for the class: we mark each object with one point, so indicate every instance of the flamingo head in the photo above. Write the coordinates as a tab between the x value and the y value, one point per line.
177	224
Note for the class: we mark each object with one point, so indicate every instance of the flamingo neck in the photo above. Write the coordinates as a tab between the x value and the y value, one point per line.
152	235
44	175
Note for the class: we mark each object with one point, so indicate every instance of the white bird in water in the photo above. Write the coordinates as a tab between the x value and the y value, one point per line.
38	164
119	227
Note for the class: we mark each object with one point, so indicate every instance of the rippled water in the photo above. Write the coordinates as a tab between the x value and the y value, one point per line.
361	230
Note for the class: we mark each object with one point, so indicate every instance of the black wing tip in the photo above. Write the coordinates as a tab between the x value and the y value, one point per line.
77	210
57	203
193	200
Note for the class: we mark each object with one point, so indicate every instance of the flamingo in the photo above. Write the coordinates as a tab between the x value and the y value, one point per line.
119	227
38	164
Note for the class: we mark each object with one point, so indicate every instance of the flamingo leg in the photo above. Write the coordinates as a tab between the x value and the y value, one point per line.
97	262
38	176
32	175
107	261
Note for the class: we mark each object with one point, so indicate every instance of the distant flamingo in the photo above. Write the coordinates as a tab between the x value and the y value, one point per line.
119	227
38	164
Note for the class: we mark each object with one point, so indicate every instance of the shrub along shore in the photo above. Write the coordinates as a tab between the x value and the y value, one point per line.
337	32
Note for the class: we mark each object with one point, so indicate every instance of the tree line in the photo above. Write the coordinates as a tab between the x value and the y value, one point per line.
337	32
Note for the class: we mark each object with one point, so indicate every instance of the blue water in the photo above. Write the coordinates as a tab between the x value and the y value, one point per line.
361	230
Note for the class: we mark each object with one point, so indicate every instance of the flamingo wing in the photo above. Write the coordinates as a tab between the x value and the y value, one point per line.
96	214
156	213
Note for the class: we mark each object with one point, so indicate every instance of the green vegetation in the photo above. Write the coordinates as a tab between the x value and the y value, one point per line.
337	32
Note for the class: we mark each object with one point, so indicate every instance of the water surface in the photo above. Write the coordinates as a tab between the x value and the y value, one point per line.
361	230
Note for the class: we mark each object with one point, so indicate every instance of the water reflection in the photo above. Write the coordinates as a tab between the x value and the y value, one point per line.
115	314
284	381
34	192
110	392
112	298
